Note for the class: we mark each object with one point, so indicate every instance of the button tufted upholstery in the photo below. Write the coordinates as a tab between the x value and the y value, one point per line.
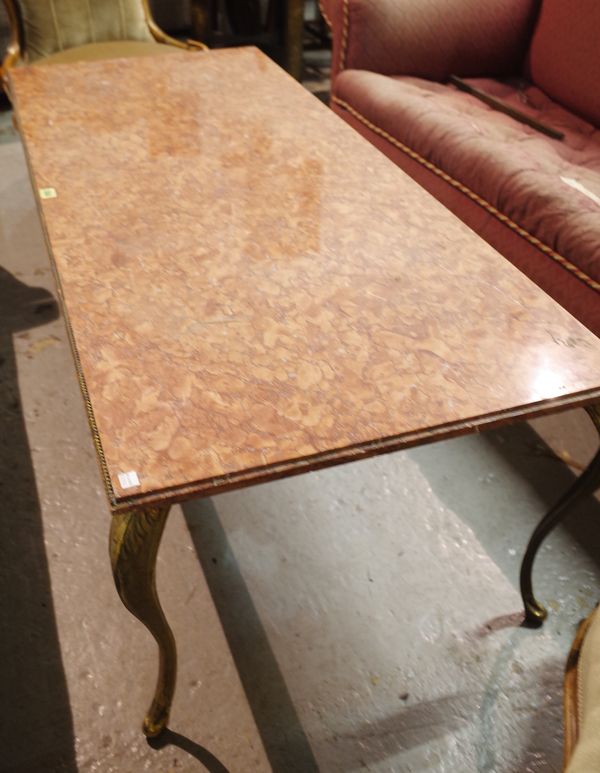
534	198
550	188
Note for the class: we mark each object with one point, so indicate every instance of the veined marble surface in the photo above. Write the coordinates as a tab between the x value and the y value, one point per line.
253	288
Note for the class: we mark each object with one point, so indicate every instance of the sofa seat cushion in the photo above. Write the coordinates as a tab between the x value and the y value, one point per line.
549	188
586	755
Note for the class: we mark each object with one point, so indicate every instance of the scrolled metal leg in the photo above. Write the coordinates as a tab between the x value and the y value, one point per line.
134	540
586	484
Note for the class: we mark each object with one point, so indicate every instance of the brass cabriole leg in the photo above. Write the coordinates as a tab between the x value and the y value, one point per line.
585	485
134	540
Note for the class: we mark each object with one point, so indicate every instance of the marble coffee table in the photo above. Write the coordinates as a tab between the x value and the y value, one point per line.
253	291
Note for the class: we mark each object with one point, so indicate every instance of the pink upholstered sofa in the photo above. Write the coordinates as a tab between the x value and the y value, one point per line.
535	199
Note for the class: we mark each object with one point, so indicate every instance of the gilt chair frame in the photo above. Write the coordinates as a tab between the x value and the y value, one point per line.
16	45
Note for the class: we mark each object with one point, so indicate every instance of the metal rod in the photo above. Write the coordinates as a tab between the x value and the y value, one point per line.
502	107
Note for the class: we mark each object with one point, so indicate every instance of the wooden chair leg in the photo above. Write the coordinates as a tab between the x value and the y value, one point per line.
571	691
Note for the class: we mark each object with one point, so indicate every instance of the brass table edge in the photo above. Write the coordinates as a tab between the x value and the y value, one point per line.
75	352
263	474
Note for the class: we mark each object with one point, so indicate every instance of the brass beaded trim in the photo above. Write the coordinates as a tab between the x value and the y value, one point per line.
88	406
78	368
82	384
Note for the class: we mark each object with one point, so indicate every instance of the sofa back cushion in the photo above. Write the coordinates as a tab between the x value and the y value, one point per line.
564	57
431	38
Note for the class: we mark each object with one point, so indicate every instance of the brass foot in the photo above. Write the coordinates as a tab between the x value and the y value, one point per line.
535	613
134	540
156	719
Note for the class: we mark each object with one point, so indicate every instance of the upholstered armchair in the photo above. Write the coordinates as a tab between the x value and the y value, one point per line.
582	699
55	31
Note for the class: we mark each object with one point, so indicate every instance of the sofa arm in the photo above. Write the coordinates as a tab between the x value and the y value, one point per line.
430	38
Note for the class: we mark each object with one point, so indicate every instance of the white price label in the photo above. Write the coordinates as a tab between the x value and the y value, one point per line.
128	479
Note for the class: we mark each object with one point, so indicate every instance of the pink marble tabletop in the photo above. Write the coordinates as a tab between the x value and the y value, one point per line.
253	290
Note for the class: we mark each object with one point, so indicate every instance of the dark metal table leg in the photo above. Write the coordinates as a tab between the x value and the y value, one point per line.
585	485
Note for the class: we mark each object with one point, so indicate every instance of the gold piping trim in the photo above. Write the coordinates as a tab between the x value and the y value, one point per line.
345	25
325	16
472	195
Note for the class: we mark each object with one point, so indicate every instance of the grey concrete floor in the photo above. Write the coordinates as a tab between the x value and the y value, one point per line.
360	618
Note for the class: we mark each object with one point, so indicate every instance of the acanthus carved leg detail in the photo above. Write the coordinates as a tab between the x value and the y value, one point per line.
134	539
